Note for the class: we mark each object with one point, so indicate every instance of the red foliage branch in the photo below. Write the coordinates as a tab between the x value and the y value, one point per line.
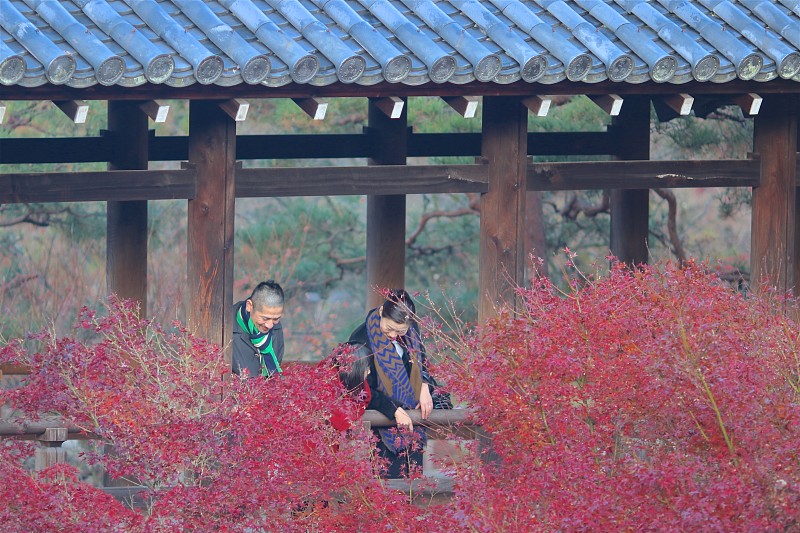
217	454
649	399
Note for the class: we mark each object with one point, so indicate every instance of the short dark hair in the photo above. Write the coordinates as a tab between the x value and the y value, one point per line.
352	360
398	307
267	294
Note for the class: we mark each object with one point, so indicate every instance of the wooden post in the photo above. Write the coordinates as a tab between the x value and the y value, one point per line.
126	222
386	214
773	253
212	151
502	227
797	210
630	209
50	451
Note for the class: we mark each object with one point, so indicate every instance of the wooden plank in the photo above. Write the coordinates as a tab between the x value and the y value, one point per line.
212	150
316	108
30	430
236	109
466	106
539	105
502	221
54	150
310	146
610	103
773	255
390	179
386	213
109	185
643	174
392	106
797	213
630	208
750	103
126	221
293	90
336	181
7	369
681	103
539	143
157	111
75	110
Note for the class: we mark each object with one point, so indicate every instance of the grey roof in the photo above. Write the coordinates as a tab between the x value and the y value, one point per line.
80	43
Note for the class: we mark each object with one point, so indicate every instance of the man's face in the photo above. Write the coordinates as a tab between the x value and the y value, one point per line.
264	318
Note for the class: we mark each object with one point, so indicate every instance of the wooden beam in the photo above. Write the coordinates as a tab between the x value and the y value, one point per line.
391	106
236	109
594	175
389	179
156	110
610	103
502	222
368	180
538	105
76	110
7	369
313	146
750	103
117	185
21	151
630	208
314	107
126	221
773	253
212	150
466	106
681	103
386	213
378	90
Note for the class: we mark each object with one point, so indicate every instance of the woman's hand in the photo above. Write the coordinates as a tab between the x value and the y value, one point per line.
403	420
425	401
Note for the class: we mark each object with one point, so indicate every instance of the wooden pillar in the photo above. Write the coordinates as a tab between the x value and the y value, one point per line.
126	222
212	151
797	206
773	254
386	214
502	228
630	209
50	451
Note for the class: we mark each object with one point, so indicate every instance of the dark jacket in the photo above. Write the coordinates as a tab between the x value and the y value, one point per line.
380	401
245	355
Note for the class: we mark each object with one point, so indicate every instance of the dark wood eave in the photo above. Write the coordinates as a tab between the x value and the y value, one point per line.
337	90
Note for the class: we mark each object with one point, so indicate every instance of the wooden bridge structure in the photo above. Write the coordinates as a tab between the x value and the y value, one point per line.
508	57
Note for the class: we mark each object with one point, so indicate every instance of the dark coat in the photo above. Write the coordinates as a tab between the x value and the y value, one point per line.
245	355
380	401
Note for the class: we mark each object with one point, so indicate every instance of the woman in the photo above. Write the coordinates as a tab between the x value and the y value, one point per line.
398	379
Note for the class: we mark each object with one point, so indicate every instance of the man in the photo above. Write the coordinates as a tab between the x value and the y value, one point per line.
257	332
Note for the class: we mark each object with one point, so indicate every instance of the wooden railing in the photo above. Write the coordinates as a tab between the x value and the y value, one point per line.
441	424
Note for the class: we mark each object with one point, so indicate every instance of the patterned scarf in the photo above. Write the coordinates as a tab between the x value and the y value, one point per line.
261	341
393	380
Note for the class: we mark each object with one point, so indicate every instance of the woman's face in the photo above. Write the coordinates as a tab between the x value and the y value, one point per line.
392	329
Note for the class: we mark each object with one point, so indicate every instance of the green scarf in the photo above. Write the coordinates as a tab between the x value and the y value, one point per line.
261	341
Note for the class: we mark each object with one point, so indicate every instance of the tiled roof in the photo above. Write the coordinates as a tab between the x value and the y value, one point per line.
81	43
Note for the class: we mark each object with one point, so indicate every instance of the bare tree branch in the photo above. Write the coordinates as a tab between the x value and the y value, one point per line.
34	214
577	204
672	223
